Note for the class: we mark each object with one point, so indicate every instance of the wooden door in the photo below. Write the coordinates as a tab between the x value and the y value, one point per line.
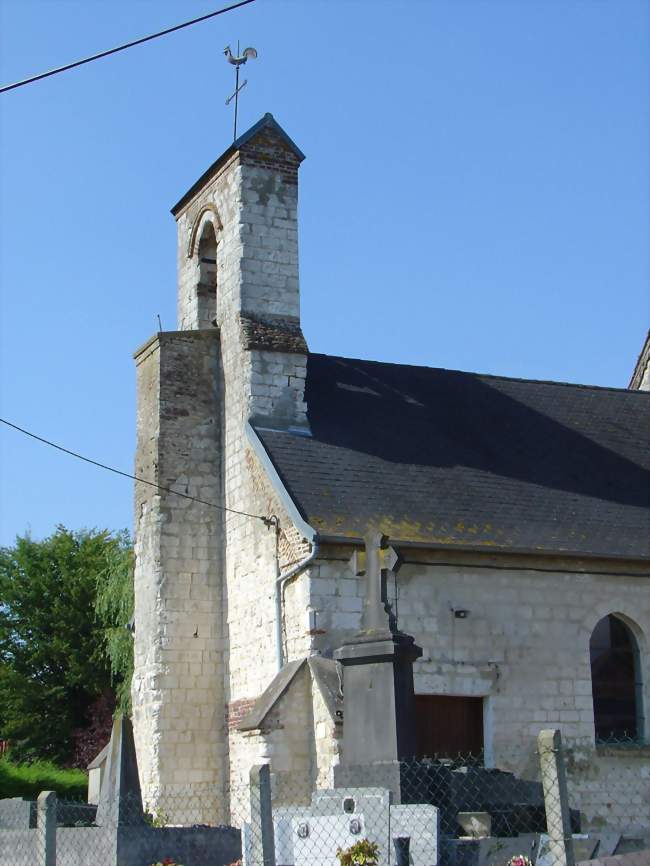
448	726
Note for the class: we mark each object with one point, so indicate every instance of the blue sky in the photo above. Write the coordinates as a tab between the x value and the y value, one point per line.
475	196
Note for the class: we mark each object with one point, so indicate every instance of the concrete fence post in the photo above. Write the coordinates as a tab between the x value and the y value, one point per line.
556	797
46	829
262	839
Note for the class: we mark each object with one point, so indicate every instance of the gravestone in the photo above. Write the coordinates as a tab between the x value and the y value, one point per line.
283	833
120	801
338	818
607	842
317	839
584	846
475	825
420	823
372	804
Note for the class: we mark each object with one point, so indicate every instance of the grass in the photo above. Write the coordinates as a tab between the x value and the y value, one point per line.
28	780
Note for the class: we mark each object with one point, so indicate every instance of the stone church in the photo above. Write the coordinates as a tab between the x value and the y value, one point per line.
509	517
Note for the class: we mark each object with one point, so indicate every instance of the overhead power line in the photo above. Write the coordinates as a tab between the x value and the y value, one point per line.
126	45
265	520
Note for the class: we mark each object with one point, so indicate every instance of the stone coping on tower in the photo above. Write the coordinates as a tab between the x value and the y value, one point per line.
267	122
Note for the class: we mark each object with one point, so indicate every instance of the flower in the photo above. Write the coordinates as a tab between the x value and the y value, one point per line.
520	860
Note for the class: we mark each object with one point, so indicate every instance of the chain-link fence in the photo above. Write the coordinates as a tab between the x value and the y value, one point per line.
118	833
28	830
551	805
611	785
452	811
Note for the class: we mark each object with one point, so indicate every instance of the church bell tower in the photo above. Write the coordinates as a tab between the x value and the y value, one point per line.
238	354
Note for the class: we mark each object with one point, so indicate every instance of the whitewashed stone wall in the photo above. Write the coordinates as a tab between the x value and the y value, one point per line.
327	740
299	738
611	787
286	740
524	648
262	260
205	579
178	681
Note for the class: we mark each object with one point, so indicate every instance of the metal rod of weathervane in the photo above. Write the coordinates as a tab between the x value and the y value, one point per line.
237	61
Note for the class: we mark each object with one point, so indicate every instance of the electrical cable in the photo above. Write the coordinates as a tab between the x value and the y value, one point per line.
110	51
266	520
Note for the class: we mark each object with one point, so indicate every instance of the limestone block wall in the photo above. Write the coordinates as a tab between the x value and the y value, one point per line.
298	738
285	741
336	596
269	227
251	638
178	682
523	648
252	657
289	741
217	203
611	787
251	201
327	740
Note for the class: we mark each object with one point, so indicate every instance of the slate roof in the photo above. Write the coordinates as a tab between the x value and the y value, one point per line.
463	460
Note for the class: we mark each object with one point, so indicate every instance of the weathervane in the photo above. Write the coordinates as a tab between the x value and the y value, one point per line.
237	62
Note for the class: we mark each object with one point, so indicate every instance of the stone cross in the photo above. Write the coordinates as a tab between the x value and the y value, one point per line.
374	613
380	560
378	694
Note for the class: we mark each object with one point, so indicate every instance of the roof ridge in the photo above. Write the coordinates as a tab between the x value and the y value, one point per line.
623	390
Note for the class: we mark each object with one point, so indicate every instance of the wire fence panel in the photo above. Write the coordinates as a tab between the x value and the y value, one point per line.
614	793
121	834
548	803
78	836
19	838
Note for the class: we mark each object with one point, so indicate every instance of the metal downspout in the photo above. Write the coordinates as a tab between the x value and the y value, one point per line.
280	583
295	517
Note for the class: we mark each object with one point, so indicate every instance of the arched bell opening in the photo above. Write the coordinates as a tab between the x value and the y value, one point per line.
206	288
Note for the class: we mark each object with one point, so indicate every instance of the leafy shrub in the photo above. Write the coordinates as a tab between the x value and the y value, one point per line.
87	742
159	819
362	853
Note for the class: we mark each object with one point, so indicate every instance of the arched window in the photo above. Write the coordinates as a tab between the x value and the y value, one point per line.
206	289
616	681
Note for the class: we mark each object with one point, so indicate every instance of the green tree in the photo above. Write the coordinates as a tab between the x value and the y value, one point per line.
54	659
114	608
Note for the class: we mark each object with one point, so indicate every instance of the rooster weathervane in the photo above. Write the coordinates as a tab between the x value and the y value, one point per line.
239	60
